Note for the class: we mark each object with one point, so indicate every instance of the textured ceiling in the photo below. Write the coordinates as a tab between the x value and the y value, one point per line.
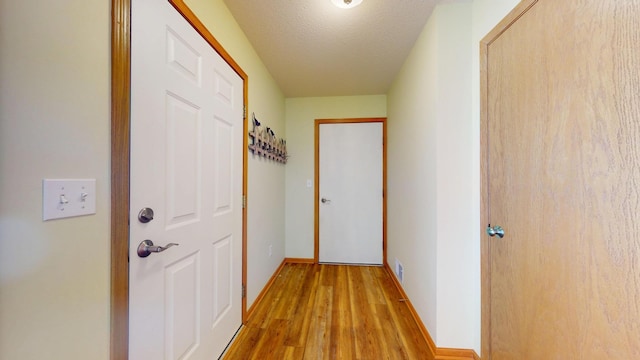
313	48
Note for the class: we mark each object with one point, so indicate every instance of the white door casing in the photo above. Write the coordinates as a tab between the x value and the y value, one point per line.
351	182
186	164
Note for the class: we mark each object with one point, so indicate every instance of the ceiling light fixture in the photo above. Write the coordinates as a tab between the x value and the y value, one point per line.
346	4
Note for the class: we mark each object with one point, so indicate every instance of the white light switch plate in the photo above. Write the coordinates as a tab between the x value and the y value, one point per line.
63	198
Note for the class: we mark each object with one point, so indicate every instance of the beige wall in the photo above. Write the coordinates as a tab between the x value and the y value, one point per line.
429	171
300	116
433	174
411	182
54	123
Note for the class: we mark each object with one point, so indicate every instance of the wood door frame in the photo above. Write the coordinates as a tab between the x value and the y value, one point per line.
316	190
120	152
485	242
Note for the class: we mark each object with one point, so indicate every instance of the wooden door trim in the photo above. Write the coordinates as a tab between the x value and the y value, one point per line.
120	149
120	164
316	190
485	248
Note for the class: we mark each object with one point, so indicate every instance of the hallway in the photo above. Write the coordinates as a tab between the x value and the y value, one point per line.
330	312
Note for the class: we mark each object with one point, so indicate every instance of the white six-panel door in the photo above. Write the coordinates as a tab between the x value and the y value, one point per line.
350	176
186	164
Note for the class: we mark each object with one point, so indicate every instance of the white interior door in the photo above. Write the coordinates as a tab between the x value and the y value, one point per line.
186	164
350	180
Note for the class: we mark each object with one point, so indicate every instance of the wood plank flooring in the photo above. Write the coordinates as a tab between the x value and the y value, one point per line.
330	312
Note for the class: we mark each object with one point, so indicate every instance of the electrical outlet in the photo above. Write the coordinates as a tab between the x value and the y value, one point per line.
270	250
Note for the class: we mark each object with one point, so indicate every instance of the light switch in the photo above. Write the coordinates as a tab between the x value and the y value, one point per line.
309	183
63	198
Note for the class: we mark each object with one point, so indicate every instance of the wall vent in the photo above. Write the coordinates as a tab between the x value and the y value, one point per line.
399	270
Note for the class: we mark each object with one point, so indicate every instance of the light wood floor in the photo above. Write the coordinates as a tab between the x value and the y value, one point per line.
330	312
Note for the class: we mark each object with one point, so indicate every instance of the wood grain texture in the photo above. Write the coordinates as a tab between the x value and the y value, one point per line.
120	140
264	290
331	312
299	260
485	241
562	102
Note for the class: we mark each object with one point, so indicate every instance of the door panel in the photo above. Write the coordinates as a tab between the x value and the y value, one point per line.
186	164
182	317
223	173
563	163
351	173
222	279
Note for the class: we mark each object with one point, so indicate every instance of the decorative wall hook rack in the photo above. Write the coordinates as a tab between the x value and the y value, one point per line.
265	143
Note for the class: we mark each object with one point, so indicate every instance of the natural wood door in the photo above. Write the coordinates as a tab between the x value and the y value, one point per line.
562	164
351	184
186	164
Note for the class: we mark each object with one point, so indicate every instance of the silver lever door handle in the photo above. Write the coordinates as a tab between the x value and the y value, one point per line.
146	248
325	201
496	230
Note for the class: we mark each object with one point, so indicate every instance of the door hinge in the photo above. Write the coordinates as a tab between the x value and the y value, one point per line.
244	291
244	201
244	111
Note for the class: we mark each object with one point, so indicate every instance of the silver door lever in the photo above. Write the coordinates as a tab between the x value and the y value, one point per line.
496	230
146	248
325	201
